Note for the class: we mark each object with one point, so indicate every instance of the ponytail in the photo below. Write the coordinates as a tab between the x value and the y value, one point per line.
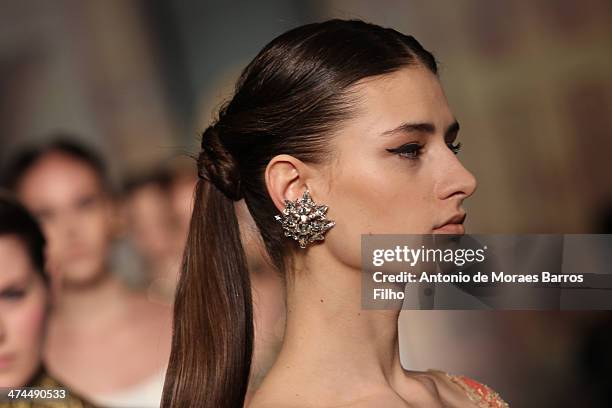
212	340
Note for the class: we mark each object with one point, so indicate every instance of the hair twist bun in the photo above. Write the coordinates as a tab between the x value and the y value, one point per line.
217	165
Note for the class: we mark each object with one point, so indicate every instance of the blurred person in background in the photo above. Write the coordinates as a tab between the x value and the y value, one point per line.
153	226
106	341
184	178
25	304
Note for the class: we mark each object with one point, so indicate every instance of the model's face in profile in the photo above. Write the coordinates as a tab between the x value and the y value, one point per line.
67	197
23	305
395	170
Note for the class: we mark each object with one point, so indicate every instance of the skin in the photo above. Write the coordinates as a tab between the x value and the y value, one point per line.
150	222
181	196
23	312
67	198
335	353
102	336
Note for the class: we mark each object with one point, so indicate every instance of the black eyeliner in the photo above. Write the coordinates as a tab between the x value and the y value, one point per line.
409	150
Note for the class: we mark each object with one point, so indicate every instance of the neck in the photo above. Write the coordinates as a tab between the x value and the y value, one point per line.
328	331
88	305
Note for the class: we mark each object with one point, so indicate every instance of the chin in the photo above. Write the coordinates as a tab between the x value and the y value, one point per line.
17	379
82	274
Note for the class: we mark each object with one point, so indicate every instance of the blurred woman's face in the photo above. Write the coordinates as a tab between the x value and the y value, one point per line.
67	197
149	218
395	170
23	311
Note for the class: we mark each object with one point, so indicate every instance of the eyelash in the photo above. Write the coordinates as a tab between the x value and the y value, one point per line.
412	151
455	148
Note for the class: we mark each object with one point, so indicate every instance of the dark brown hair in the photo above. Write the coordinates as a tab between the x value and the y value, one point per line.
17	221
288	100
63	143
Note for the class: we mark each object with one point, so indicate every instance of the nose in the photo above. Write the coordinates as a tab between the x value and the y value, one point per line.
69	227
455	180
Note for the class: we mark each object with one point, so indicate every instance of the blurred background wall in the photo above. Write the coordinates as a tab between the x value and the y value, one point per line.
530	83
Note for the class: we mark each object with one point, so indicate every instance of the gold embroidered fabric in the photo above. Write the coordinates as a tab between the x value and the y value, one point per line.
481	395
43	380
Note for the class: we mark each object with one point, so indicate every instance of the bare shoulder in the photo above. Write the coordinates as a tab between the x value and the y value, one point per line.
431	388
271	404
311	400
267	400
369	403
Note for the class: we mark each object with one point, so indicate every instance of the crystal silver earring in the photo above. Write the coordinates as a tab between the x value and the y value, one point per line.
304	220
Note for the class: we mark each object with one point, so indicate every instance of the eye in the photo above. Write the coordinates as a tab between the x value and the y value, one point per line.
409	150
12	294
85	203
455	148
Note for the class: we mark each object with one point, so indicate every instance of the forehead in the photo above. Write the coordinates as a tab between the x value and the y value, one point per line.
58	175
411	94
148	199
15	263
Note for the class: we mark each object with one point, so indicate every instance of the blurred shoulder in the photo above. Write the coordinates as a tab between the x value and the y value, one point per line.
71	400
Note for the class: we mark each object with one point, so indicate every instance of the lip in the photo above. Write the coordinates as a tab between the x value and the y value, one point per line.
5	361
453	225
77	254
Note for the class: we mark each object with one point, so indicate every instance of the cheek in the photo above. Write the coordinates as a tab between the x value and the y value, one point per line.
377	197
25	327
97	231
29	323
55	243
387	198
29	319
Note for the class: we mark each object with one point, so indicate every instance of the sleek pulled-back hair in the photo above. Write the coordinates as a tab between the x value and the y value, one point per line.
289	100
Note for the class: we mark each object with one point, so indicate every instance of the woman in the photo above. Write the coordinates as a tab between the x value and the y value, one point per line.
25	300
66	187
351	116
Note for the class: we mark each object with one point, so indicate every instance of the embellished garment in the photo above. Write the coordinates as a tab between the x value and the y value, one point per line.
44	381
481	395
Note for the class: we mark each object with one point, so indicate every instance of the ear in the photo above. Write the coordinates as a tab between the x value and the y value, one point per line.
286	179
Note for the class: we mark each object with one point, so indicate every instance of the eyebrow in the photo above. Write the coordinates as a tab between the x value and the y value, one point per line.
422	128
18	283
